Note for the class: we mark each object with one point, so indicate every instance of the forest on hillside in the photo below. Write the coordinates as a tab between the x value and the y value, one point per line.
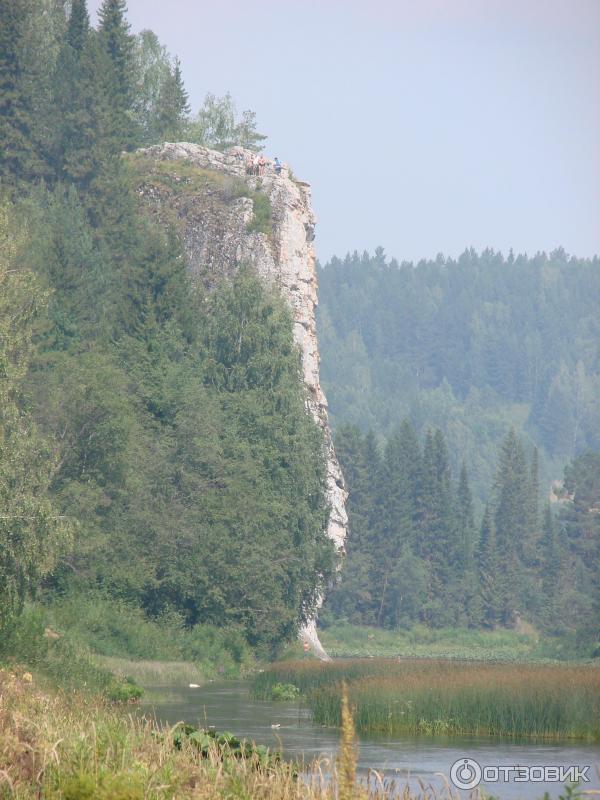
460	390
156	453
155	447
417	554
473	346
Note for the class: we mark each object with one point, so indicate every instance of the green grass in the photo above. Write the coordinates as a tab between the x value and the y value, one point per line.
429	696
154	673
182	178
68	746
116	630
98	646
61	661
354	641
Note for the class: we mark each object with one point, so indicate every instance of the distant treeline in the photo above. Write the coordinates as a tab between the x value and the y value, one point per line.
474	346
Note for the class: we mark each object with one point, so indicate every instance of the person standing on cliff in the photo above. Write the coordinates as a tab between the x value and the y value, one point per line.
278	166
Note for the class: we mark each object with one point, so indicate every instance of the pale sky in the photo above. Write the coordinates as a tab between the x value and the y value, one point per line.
424	126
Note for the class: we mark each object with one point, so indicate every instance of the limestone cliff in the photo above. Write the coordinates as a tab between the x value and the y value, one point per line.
228	218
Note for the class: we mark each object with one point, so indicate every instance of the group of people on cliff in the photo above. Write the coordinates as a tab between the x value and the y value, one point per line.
255	165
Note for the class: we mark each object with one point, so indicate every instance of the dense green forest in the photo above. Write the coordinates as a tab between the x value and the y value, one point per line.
417	555
502	357
155	447
472	346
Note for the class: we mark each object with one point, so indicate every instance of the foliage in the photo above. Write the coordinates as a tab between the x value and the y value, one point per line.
416	555
473	346
83	749
19	134
116	630
170	429
226	745
284	691
60	659
261	221
354	641
32	532
123	691
217	125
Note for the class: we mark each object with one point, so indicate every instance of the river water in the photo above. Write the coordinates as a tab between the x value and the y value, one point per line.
228	706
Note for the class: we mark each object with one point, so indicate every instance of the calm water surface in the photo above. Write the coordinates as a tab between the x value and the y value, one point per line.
228	706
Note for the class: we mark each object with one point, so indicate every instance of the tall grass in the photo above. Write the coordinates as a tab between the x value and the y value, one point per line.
72	747
117	630
438	696
356	641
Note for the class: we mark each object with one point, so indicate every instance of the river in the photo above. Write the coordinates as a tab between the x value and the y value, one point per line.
228	706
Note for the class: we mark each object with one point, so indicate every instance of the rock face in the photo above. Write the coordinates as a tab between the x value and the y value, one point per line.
214	202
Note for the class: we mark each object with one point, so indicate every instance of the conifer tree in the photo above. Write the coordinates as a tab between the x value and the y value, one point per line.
118	47
19	146
173	106
529	547
78	28
81	147
551	563
512	512
489	562
397	516
465	520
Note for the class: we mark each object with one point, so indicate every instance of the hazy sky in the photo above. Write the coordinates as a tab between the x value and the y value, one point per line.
424	126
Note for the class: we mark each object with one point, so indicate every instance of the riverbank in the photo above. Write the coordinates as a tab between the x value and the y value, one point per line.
360	641
73	746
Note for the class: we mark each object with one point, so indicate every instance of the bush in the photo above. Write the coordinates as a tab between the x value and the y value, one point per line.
124	691
262	220
67	663
116	629
284	691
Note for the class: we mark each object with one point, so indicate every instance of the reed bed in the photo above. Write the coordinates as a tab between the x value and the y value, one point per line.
449	697
308	675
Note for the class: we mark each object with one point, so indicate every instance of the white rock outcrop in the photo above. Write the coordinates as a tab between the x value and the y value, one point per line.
217	239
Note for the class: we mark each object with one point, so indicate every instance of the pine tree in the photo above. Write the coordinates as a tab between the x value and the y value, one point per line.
80	147
550	567
118	47
173	106
20	159
398	510
465	519
529	546
489	562
78	28
512	512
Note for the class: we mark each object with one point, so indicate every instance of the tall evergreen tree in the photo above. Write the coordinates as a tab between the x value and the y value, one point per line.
173	106
117	44
530	545
81	146
512	513
465	519
490	563
19	144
